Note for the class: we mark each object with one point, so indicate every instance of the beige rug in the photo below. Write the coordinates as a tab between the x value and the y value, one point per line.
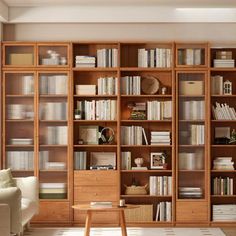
131	232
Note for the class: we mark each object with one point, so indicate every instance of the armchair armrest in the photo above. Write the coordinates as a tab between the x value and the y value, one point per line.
29	188
12	197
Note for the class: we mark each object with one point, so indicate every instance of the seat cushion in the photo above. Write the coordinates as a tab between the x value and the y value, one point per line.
28	209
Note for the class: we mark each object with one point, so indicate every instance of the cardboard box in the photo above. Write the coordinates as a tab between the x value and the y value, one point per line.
21	59
191	88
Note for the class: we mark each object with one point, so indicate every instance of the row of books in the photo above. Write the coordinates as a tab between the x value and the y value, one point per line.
217	85
132	135
190	192
197	134
157	110
20	111
191	160
107	86
52	190
85	61
190	56
223	186
164	211
131	85
46	164
20	160
53	84
193	110
27	84
160	138
160	185
223	112
224	212
98	109
80	160
126	160
53	111
21	141
57	135
223	163
156	57
107	57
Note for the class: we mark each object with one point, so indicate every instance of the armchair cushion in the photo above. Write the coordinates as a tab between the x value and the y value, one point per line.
6	179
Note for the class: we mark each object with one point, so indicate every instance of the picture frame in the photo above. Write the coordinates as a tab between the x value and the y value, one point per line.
103	159
89	134
158	160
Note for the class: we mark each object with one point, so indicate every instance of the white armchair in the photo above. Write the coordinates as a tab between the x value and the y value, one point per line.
22	201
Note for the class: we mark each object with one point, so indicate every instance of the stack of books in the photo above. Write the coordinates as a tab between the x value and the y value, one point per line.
190	56
223	112
98	109
107	57
53	84
132	135
57	135
197	134
217	83
191	160
160	138
138	111
225	63
43	159
126	160
107	86
223	186
20	111
224	212
21	141
156	57
52	191
80	160
101	204
85	89
131	85
20	160
53	111
193	110
164	211
45	164
159	110
223	163
27	84
160	185
85	61
190	192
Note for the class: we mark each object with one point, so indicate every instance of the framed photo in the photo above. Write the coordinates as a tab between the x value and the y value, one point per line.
89	134
158	160
103	159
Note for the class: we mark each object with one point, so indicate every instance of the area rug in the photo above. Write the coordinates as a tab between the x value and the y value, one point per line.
130	231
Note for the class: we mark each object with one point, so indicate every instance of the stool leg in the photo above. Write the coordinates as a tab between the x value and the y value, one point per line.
88	223
122	223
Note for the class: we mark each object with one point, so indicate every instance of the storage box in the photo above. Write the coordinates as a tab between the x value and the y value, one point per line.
85	89
21	59
142	213
191	88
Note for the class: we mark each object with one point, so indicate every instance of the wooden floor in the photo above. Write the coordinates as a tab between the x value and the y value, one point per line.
230	231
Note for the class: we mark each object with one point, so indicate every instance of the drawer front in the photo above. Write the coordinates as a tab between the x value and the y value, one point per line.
191	211
53	212
95	177
95	193
97	218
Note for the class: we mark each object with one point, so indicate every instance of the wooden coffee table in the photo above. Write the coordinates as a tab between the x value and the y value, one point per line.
90	210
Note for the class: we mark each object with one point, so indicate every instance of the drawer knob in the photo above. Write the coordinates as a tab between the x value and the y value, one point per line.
95	194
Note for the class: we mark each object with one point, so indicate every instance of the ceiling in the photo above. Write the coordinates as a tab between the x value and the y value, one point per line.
170	3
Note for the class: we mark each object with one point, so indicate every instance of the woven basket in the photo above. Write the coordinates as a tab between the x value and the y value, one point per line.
136	190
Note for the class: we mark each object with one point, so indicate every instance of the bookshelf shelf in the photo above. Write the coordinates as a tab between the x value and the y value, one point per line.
190	171
224	121
223	96
19	121
52	96
53	121
223	171
145	69
95	96
146	171
145	196
146	121
96	146
96	69
223	146
147	96
146	146
223	196
53	146
19	96
19	146
95	121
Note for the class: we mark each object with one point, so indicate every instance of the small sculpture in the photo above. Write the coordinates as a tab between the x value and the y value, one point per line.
138	161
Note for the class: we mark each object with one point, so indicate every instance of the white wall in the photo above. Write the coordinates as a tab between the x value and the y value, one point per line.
212	32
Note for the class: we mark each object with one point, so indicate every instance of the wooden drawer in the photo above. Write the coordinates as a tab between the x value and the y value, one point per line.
191	211
97	218
95	193
95	177
53	212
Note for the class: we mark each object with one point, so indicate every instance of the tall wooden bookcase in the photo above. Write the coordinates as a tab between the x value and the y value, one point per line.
88	185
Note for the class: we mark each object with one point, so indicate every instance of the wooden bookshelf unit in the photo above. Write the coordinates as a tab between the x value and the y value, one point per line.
69	107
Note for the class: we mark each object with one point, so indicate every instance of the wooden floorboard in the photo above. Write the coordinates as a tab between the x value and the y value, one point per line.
230	231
